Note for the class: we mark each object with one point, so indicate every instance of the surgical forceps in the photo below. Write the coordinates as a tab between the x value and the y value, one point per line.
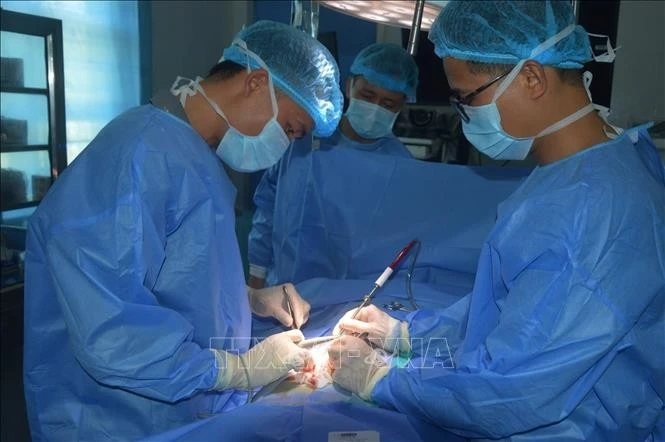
289	307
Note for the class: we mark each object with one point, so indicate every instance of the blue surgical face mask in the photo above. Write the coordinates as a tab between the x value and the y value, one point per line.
241	152
370	120
484	129
485	132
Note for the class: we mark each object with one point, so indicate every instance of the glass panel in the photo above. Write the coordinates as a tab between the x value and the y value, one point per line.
101	46
23	60
26	176
24	119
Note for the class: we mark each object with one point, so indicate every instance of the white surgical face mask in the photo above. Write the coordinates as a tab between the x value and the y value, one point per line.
370	120
484	128
241	152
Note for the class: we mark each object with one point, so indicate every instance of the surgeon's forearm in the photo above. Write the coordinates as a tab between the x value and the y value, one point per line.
190	370
438	324
259	243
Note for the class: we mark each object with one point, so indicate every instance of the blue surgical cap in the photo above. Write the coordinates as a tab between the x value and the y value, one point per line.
299	65
389	67
505	32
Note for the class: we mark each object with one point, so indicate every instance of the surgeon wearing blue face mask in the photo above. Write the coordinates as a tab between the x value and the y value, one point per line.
372	111
383	78
137	314
259	122
561	337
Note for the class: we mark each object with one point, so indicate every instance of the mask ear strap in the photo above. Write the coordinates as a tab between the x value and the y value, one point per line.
603	112
249	54
212	104
547	44
242	45
567	121
184	90
508	80
610	53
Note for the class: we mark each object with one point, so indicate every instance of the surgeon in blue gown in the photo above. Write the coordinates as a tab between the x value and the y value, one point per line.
383	78
137	317
563	335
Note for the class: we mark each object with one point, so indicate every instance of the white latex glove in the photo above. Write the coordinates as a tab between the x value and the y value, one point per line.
271	302
356	366
271	359
382	330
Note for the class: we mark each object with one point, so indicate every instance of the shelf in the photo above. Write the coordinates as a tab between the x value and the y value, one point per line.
33	144
23	90
13	289
24	147
22	205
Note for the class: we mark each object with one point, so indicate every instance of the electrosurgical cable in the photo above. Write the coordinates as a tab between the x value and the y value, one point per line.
409	275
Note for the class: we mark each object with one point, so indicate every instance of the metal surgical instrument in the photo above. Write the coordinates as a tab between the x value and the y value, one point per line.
289	307
313	341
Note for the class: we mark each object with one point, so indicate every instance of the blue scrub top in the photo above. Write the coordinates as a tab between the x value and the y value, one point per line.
562	335
132	271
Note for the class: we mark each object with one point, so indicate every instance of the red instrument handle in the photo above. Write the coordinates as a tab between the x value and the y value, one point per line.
398	259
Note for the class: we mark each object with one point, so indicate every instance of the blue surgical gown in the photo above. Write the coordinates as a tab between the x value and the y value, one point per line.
296	164
562	337
132	266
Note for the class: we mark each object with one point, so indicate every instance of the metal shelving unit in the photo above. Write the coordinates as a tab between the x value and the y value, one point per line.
32	106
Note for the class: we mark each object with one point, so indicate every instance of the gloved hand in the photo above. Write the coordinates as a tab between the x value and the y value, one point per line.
356	366
271	302
382	330
271	359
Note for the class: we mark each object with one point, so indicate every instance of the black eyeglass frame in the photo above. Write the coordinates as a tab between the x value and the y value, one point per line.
456	101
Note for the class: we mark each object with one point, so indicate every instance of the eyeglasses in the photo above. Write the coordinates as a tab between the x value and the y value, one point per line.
457	102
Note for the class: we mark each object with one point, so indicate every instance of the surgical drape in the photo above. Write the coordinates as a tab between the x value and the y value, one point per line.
284	187
344	213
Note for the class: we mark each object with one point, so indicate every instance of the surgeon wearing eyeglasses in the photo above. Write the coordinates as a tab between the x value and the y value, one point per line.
561	337
137	317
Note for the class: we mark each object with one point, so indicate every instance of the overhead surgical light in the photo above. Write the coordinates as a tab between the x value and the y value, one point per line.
388	12
415	15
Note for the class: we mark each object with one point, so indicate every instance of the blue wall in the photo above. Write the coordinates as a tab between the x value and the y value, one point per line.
352	34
